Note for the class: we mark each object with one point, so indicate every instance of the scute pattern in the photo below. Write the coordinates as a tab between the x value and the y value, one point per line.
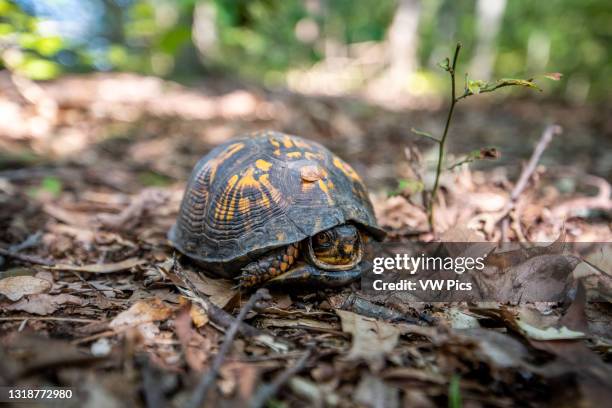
264	191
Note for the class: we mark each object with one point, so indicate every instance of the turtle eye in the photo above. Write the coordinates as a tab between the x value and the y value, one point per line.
323	239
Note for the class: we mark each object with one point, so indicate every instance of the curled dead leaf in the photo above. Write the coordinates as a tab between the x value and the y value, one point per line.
141	312
198	316
372	339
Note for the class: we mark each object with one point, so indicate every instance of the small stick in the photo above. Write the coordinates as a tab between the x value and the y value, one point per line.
30	241
199	395
26	258
547	135
267	391
521	184
151	384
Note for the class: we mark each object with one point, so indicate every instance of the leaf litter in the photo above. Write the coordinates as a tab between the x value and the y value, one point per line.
106	317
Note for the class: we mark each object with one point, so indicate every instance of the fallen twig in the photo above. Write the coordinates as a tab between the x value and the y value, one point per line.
102	268
30	242
545	139
26	258
521	184
199	395
152	384
601	200
267	391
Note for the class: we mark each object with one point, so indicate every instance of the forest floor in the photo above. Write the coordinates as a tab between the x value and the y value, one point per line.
91	175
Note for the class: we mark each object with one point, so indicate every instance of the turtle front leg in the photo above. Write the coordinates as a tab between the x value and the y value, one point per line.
269	266
304	275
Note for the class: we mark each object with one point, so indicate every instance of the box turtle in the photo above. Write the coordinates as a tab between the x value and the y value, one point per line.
275	208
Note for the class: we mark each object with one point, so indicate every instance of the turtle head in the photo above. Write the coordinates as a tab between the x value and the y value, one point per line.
335	249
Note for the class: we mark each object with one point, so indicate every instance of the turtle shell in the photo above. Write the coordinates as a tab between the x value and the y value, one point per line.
264	191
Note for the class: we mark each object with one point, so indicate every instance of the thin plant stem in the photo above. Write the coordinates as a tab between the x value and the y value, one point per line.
442	142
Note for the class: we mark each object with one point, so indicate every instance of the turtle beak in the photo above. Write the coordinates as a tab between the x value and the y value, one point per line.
347	249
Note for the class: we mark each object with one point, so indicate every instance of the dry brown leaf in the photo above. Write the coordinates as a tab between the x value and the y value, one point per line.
596	272
535	279
219	290
198	316
15	287
141	312
372	339
101	268
43	304
499	349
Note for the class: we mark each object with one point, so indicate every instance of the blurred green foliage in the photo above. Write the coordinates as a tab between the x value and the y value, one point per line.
260	39
23	49
51	186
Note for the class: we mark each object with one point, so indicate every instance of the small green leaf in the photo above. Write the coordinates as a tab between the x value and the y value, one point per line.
424	134
445	64
48	185
528	83
484	153
51	185
408	187
413	186
474	86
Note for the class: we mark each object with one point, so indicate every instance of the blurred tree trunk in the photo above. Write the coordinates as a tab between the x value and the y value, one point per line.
114	22
489	15
403	40
204	30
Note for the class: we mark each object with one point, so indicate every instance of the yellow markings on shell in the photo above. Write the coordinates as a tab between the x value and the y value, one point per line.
227	153
238	184
265	201
313	156
325	190
276	144
346	169
248	179
287	142
294	155
301	144
244	205
222	209
263	165
274	193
